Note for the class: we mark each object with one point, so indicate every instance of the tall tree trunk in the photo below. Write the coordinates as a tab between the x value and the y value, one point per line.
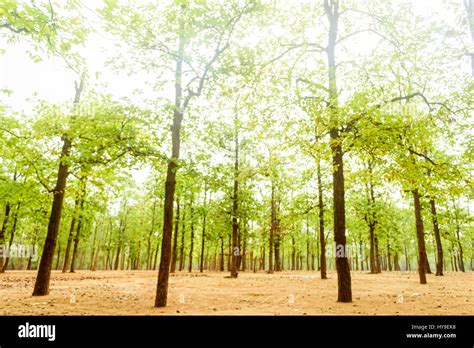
174	253
76	240
44	270
322	239
12	236
437	234
79	225
331	8
277	249
272	230
389	261
234	271
221	267
203	241
3	232
150	234
191	246
71	234
293	254
183	230
420	235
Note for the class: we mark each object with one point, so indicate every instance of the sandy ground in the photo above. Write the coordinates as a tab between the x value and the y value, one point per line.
285	293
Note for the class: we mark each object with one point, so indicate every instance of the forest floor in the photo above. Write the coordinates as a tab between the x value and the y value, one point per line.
283	293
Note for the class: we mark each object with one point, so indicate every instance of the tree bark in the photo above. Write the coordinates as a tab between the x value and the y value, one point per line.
12	236
150	234
437	234
342	264
234	271
191	246
170	183
420	235
2	233
174	253
322	238
183	230
272	231
203	241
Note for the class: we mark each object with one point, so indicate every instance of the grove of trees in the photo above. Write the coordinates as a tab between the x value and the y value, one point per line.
254	136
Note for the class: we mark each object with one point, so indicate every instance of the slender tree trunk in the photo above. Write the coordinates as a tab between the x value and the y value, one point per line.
437	234
150	234
221	267
203	241
396	262
420	235
79	227
278	241
174	253
322	239
331	8
191	247
272	230
234	272
12	236
71	234
41	287
181	248
3	231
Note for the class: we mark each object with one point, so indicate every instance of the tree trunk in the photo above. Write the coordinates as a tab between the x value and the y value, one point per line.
396	263
191	247
437	234
234	272
331	8
174	253
203	241
12	236
277	250
79	226
322	239
44	270
150	234
183	230
420	235
2	233
221	267
272	230
427	264
71	235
